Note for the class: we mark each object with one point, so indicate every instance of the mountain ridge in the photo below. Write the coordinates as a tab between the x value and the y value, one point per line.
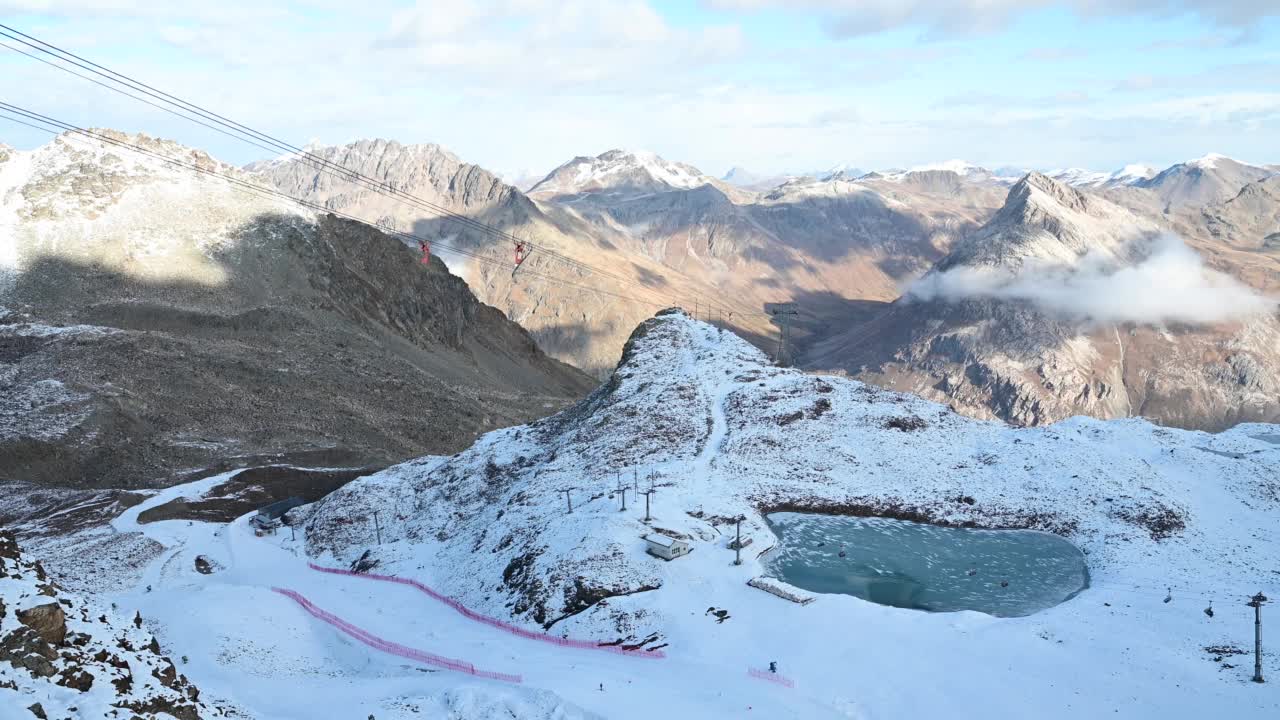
162	321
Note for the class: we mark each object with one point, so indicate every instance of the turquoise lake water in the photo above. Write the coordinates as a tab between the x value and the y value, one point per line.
1006	573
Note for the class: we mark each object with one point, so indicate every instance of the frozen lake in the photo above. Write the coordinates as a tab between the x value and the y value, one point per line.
1007	573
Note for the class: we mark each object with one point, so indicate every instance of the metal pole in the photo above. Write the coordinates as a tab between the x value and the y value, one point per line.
568	500
622	489
1256	603
646	505
377	527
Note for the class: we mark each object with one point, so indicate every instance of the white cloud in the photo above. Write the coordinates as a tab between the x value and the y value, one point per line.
847	18
1171	285
531	83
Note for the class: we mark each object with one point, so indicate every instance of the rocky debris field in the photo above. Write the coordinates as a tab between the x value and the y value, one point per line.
62	655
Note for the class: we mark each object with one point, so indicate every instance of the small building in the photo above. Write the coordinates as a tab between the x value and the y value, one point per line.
269	517
667	548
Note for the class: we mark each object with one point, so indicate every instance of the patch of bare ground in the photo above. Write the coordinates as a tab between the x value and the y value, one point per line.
253	488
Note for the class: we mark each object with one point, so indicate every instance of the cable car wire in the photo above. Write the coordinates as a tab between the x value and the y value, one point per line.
248	134
8	110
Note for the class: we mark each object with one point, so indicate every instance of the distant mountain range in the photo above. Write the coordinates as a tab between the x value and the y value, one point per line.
1132	175
624	233
1055	307
844	243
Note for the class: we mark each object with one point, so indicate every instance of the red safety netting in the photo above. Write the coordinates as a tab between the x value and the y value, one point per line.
771	677
493	622
392	648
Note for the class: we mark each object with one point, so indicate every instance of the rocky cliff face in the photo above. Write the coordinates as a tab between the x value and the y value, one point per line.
1012	359
156	324
62	655
578	315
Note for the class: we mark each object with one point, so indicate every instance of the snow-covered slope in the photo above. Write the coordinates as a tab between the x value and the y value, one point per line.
703	418
1203	181
1079	177
63	655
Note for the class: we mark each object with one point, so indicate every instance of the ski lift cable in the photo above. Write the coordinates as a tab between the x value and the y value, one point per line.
7	110
248	134
127	94
262	191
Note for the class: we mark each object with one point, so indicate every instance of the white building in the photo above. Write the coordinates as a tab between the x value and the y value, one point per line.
667	548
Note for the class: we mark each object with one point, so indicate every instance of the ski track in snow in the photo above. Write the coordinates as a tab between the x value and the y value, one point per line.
241	638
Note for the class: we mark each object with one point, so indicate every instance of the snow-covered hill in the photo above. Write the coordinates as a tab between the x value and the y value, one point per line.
703	418
1203	181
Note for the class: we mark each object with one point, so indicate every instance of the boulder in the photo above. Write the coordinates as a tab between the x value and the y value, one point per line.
48	620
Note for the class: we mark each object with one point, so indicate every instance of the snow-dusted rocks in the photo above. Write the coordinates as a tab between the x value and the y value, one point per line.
619	172
703	419
72	656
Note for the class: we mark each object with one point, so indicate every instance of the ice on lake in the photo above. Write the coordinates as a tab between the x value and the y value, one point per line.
1006	573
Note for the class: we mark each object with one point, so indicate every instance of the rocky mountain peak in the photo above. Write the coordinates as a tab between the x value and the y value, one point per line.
118	261
620	171
1038	188
1203	181
1049	222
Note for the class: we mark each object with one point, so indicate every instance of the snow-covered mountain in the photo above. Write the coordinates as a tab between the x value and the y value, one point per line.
160	322
1046	221
1079	177
452	551
1203	181
619	173
720	433
1063	304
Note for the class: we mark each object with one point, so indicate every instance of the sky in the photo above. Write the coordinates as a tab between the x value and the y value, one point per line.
774	86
